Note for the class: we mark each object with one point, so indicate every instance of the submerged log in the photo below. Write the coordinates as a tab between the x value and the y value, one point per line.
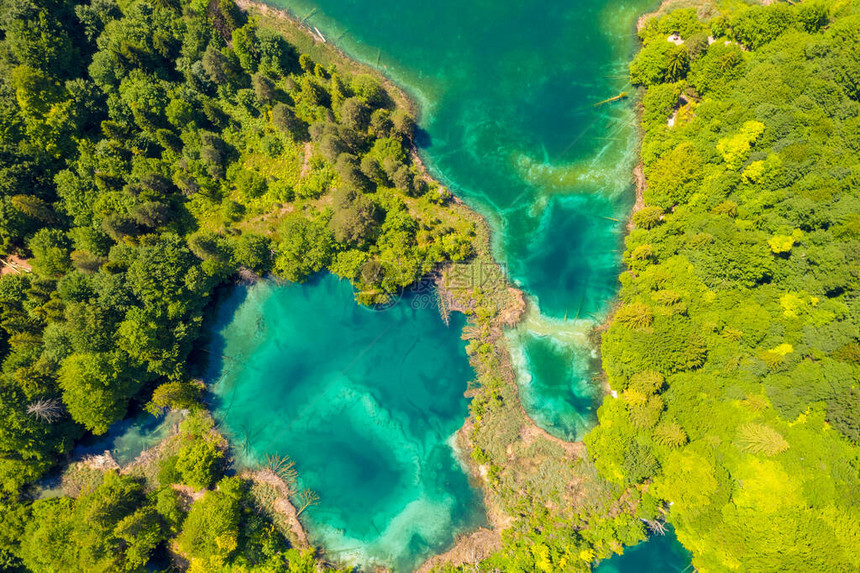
621	96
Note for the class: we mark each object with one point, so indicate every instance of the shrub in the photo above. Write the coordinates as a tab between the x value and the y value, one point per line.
198	463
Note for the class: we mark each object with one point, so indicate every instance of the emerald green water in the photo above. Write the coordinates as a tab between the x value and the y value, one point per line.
366	404
556	385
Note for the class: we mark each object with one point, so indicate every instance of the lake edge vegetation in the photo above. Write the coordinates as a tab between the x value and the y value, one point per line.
734	349
206	149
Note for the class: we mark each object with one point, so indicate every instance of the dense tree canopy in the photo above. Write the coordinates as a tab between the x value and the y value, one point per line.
735	349
149	152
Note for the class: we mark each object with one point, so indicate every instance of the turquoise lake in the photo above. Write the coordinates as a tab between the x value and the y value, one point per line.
365	402
507	92
509	95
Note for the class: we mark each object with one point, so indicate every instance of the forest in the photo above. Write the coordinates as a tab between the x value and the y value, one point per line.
734	351
150	151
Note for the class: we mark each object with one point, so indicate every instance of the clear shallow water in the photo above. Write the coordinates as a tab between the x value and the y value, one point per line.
507	91
128	438
366	404
556	384
659	554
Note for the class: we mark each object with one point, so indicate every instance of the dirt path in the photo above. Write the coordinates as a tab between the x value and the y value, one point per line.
309	149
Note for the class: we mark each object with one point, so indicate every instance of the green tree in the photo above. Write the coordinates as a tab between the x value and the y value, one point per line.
677	63
285	120
355	218
305	247
95	388
651	64
245	45
199	462
177	395
110	528
210	533
51	250
354	113
674	177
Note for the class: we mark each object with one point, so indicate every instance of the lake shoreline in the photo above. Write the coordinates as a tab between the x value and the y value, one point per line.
505	304
509	307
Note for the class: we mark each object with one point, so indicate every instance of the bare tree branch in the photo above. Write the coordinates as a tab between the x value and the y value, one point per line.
47	409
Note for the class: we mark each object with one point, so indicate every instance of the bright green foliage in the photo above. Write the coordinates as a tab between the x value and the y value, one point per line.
198	462
13	520
111	528
647	217
674	177
201	457
736	148
734	353
95	389
305	248
169	508
660	60
211	530
50	250
670	434
716	70
781	243
252	251
757	26
179	395
348	264
758	439
225	532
